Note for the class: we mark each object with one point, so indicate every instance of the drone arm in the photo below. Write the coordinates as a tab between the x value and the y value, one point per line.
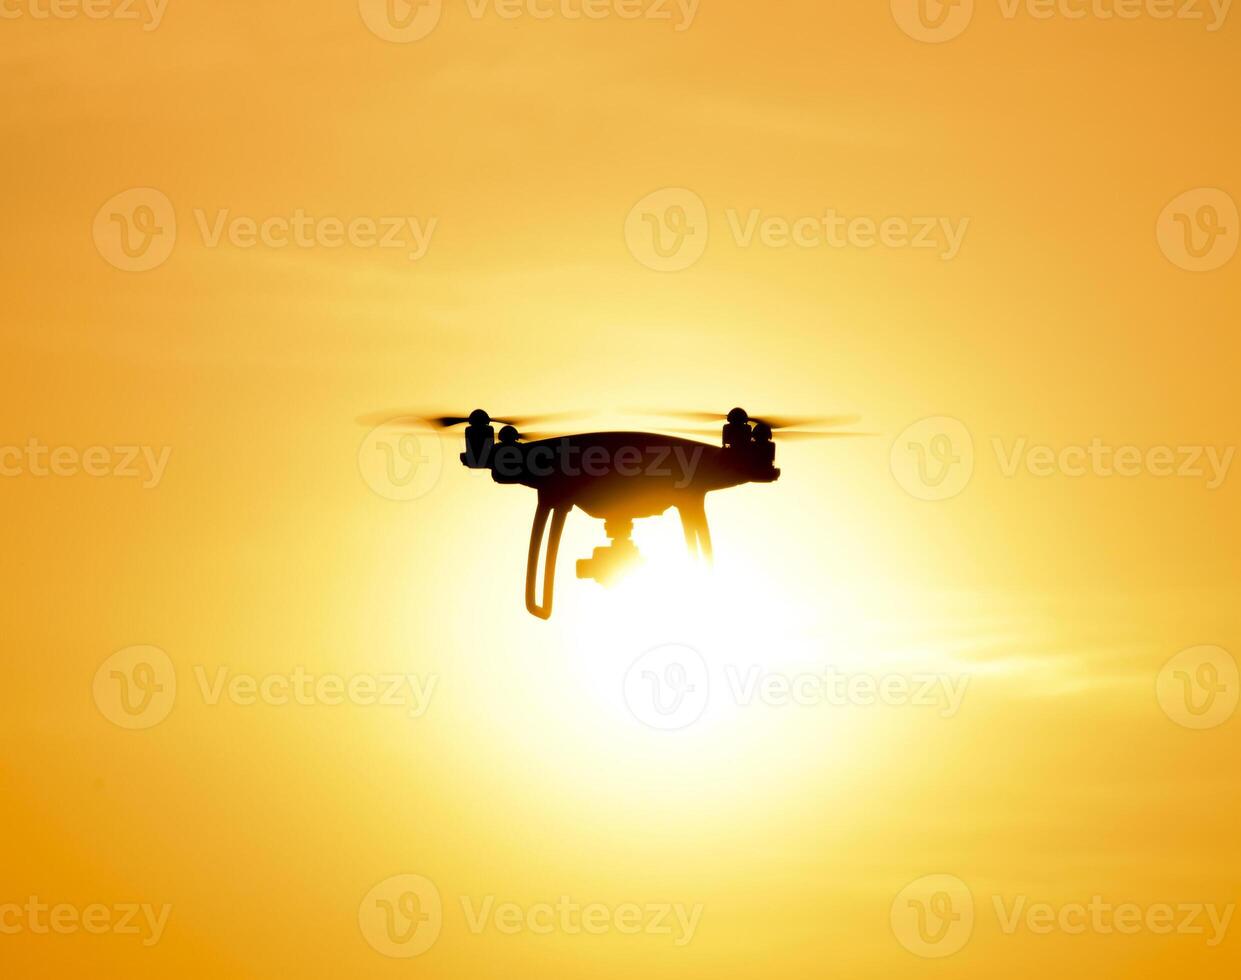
543	611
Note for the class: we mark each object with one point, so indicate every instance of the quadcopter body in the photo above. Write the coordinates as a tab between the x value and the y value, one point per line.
618	477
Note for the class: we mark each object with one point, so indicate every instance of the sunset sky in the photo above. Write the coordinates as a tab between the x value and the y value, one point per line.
233	228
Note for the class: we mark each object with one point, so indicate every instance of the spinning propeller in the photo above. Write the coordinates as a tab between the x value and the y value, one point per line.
419	419
787	426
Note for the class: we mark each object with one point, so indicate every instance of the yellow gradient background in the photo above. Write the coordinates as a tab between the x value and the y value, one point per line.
529	140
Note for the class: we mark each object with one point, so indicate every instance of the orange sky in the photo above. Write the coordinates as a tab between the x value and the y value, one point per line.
518	158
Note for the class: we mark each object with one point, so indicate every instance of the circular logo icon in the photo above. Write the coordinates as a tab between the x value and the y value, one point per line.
933	917
136	230
401	460
668	230
1197	231
136	687
401	917
668	688
401	21
933	21
1199	687
933	459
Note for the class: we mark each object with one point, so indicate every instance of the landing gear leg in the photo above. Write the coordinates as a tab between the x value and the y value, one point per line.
691	537
697	532
543	611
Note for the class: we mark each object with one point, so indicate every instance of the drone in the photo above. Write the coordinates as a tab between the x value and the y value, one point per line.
619	477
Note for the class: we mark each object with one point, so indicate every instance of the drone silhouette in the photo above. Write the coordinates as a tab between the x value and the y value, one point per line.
619	477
